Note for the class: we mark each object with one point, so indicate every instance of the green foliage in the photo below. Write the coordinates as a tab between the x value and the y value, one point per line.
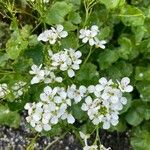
7	117
87	74
132	16
62	9
140	137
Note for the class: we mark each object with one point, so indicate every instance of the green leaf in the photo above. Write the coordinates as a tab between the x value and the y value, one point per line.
132	16
119	69
111	4
57	12
78	113
67	42
140	137
15	47
142	73
144	90
87	74
3	59
7	117
107	58
134	116
138	112
74	17
125	47
139	32
36	54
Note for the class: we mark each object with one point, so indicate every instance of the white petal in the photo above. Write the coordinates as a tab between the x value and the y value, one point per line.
88	100
82	89
63	34
103	81
96	121
91	42
27	106
91	88
35	80
58	79
71	73
114	122
36	117
70	119
75	67
46	127
59	27
54	120
43	97
84	40
123	100
45	121
84	107
106	125
38	128
128	88
125	81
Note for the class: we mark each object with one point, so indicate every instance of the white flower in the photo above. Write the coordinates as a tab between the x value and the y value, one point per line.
53	35
3	90
76	94
59	31
67	60
88	35
100	43
48	94
39	74
124	85
48	35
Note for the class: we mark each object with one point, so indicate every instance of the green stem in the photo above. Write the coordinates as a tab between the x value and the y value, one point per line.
55	141
90	52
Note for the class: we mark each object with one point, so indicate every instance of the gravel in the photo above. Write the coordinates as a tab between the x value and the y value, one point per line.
21	138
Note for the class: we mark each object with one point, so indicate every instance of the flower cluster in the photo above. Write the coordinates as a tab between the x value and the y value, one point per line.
68	59
105	100
15	90
90	35
45	74
51	108
3	90
53	34
18	89
102	103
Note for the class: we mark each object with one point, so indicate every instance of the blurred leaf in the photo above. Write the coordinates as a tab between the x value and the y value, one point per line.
7	117
87	74
142	73
74	17
125	47
144	90
132	16
111	4
107	58
119	69
140	137
57	12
